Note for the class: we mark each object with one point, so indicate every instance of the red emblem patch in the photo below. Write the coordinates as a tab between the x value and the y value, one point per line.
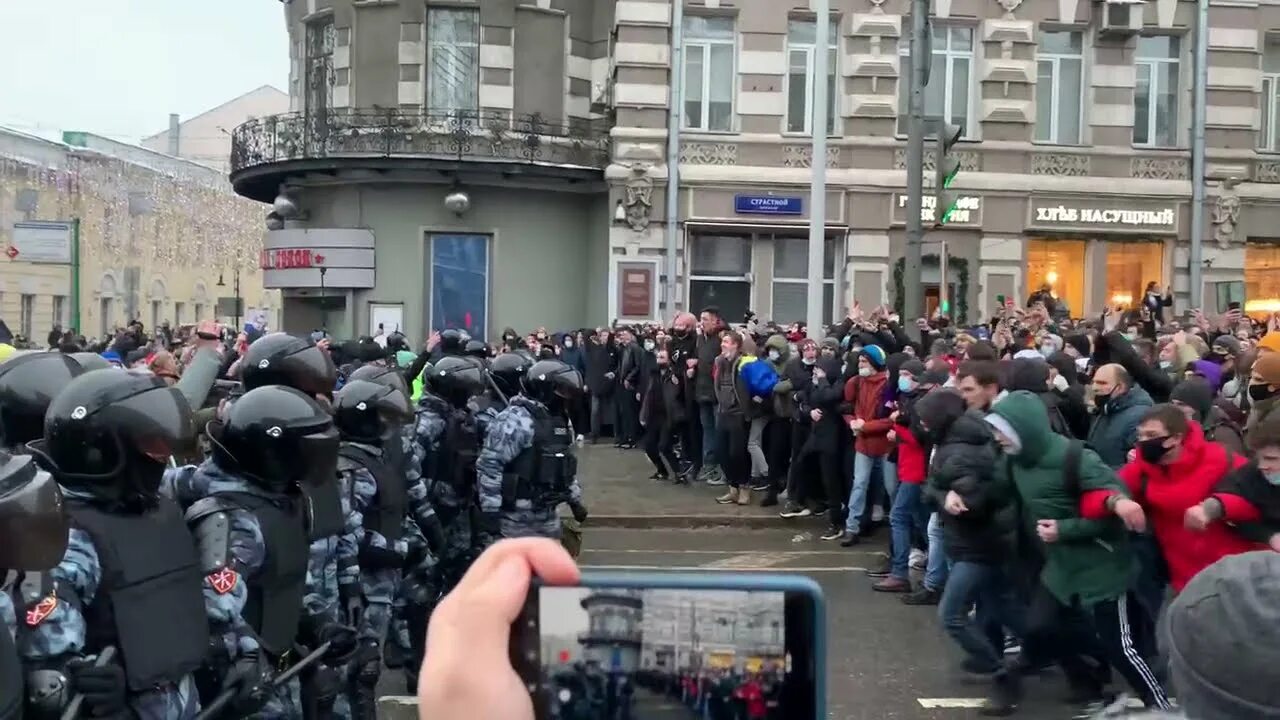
224	581
41	610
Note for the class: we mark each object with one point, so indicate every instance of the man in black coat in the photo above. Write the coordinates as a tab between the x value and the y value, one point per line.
602	370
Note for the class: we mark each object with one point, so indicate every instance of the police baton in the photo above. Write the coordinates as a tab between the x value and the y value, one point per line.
77	700
226	696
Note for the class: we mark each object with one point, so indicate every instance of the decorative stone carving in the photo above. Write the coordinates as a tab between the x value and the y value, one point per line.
968	160
639	197
696	153
1226	214
1147	168
1009	6
876	6
1059	165
1266	171
801	156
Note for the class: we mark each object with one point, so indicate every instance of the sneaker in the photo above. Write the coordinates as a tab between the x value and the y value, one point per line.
729	498
1004	696
849	539
833	533
923	596
707	471
792	510
717	480
658	476
881	569
877	514
1012	645
919	559
892	585
760	484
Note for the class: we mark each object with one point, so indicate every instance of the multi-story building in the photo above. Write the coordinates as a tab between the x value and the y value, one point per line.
95	233
206	138
712	629
1075	160
442	165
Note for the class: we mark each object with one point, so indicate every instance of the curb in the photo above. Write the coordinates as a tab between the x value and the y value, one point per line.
685	522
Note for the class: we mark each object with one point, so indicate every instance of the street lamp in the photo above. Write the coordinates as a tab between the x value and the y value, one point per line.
236	290
324	304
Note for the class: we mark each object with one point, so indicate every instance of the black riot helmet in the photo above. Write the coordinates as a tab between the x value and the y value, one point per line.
551	382
382	375
453	342
33	522
91	361
363	411
282	359
28	384
278	438
507	369
112	432
476	348
457	379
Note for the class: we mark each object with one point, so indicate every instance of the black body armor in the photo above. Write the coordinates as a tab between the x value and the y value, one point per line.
391	502
459	449
542	472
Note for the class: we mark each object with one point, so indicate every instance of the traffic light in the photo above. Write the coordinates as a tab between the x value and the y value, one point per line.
946	167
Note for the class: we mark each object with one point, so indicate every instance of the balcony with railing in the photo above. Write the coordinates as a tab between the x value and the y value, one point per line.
611	636
264	150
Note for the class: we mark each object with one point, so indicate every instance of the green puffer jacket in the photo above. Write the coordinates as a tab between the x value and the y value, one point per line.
1091	560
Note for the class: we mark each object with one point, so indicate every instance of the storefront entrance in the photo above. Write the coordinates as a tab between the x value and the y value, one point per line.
1261	279
1060	265
1087	275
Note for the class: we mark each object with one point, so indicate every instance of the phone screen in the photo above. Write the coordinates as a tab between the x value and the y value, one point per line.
665	653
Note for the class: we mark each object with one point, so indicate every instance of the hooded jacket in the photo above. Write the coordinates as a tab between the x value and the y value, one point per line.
1196	393
783	400
1166	492
913	455
865	396
1249	503
1116	428
1091	559
964	462
825	394
1032	375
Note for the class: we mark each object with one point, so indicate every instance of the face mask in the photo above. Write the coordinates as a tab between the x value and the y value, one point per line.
1131	336
774	355
808	361
792	347
649	345
1273	478
568	343
1260	392
1152	450
864	371
1166	364
1082	364
1060	383
906	385
1047	350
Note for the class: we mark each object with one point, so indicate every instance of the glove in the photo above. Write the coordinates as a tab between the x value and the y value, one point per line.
342	642
249	677
104	687
433	531
579	512
373	557
351	603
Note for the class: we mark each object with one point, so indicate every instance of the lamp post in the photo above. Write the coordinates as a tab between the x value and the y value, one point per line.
236	289
324	304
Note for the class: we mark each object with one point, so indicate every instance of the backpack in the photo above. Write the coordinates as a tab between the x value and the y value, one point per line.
759	377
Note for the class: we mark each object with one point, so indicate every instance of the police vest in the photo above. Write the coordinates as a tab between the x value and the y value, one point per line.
543	471
391	502
459	449
150	600
323	508
11	687
274	606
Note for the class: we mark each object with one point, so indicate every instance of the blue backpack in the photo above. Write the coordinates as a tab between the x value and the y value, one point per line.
759	377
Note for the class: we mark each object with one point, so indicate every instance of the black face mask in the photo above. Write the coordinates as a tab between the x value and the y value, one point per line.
1152	450
1260	392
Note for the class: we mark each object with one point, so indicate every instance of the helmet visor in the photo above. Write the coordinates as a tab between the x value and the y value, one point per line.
312	371
318	453
156	423
394	406
33	524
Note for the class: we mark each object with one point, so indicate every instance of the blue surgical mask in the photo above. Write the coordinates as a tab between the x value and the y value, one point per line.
1130	336
864	371
1273	478
568	343
1047	350
906	384
774	355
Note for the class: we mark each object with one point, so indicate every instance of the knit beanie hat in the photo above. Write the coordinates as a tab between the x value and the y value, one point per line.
1228	343
1222	634
914	368
1195	393
1267	367
1080	342
831	343
1270	341
874	355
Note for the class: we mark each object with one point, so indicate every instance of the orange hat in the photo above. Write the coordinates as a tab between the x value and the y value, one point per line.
1267	367
1270	341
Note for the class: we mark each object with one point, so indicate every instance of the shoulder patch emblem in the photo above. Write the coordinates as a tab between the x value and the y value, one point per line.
41	610
224	580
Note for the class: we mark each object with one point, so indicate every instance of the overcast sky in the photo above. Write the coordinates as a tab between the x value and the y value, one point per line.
119	67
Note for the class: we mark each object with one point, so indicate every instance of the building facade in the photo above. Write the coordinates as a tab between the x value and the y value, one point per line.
95	233
206	138
708	629
442	165
1075	155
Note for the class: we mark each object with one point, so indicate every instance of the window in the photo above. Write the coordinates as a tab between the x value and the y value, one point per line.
802	39
1058	265
157	307
105	318
1155	98
460	283
321	37
179	310
708	73
200	313
26	314
453	53
1130	266
1269	135
1059	84
790	279
719	274
60	312
950	78
1261	280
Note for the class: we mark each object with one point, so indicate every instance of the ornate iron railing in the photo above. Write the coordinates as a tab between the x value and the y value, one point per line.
454	135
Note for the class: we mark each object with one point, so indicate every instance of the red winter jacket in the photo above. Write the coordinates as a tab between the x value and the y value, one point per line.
913	464
1170	491
866	395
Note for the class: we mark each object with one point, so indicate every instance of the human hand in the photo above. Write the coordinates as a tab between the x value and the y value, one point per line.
815	415
103	686
1047	530
208	335
467	669
689	373
1132	514
1196	518
1275	542
856	424
893	436
954	504
432	341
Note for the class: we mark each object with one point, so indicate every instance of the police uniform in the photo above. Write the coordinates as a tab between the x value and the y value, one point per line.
130	558
254	528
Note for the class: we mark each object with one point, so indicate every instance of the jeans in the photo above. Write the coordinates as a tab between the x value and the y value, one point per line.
935	573
981	637
755	447
907	517
864	466
710	453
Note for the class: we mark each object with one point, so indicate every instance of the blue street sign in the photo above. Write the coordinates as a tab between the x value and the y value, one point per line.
767	205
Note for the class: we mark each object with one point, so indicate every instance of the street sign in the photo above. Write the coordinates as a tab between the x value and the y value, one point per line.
42	242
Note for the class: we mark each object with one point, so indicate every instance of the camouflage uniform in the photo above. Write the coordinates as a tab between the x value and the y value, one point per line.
60	636
508	435
8	615
230	633
333	572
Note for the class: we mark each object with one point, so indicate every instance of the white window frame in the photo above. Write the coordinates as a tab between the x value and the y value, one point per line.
1269	100
430	69
904	53
705	44
26	315
833	67
1153	93
1055	94
59	307
837	251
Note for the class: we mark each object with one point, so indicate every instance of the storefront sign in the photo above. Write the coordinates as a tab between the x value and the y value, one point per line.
318	257
635	289
41	242
968	210
767	205
1105	217
291	258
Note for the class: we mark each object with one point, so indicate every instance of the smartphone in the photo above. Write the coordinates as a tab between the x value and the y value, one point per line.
670	645
1233	305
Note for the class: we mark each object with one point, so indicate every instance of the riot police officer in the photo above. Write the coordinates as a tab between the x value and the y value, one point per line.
282	359
367	416
91	361
28	383
251	519
527	465
452	342
33	539
130	557
507	370
477	349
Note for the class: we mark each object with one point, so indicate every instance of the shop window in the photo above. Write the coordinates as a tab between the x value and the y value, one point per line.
720	274
1155	98
1130	266
1262	279
950	78
1269	132
1059	73
709	79
791	280
1059	264
802	42
460	283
